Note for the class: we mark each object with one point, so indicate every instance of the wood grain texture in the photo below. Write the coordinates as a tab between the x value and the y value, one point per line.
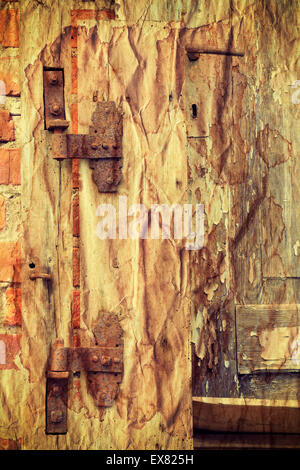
244	441
259	201
246	415
242	164
267	338
143	281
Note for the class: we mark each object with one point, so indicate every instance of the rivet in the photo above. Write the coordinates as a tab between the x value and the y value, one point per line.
95	358
55	109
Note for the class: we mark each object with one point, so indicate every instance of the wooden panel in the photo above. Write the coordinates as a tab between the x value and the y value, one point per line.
246	415
47	229
207	88
211	166
143	281
268	338
238	441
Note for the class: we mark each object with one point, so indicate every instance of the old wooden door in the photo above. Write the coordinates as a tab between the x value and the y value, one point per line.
244	283
206	94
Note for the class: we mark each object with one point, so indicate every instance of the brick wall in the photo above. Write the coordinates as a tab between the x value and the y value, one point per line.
10	196
10	181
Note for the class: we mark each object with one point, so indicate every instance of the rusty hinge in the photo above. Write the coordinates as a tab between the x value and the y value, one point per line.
103	364
102	146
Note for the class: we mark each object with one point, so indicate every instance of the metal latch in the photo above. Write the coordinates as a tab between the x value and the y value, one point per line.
102	146
102	362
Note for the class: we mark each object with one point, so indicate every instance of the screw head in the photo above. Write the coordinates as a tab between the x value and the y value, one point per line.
55	109
56	416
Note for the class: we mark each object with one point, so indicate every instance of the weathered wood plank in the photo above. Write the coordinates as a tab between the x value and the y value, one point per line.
239	441
246	415
268	338
46	205
144	281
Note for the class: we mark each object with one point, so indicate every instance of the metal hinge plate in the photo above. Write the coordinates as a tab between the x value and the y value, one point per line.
103	364
102	146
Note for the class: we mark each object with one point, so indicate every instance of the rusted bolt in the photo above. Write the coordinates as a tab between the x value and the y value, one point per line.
109	180
56	416
55	109
94	146
95	358
116	360
106	361
53	78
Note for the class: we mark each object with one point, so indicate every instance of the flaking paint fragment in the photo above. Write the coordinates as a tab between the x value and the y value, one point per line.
280	344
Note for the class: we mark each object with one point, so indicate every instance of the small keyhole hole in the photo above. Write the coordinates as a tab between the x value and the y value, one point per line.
31	265
194	111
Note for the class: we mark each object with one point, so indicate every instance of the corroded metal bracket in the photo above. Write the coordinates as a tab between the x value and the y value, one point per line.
102	146
54	108
103	364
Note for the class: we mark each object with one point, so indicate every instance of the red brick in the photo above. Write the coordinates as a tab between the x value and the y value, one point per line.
2	213
92	14
76	309
76	228
76	267
10	166
15	166
13	313
9	28
76	340
11	86
10	444
74	75
9	348
74	113
7	128
75	173
4	166
10	262
74	35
